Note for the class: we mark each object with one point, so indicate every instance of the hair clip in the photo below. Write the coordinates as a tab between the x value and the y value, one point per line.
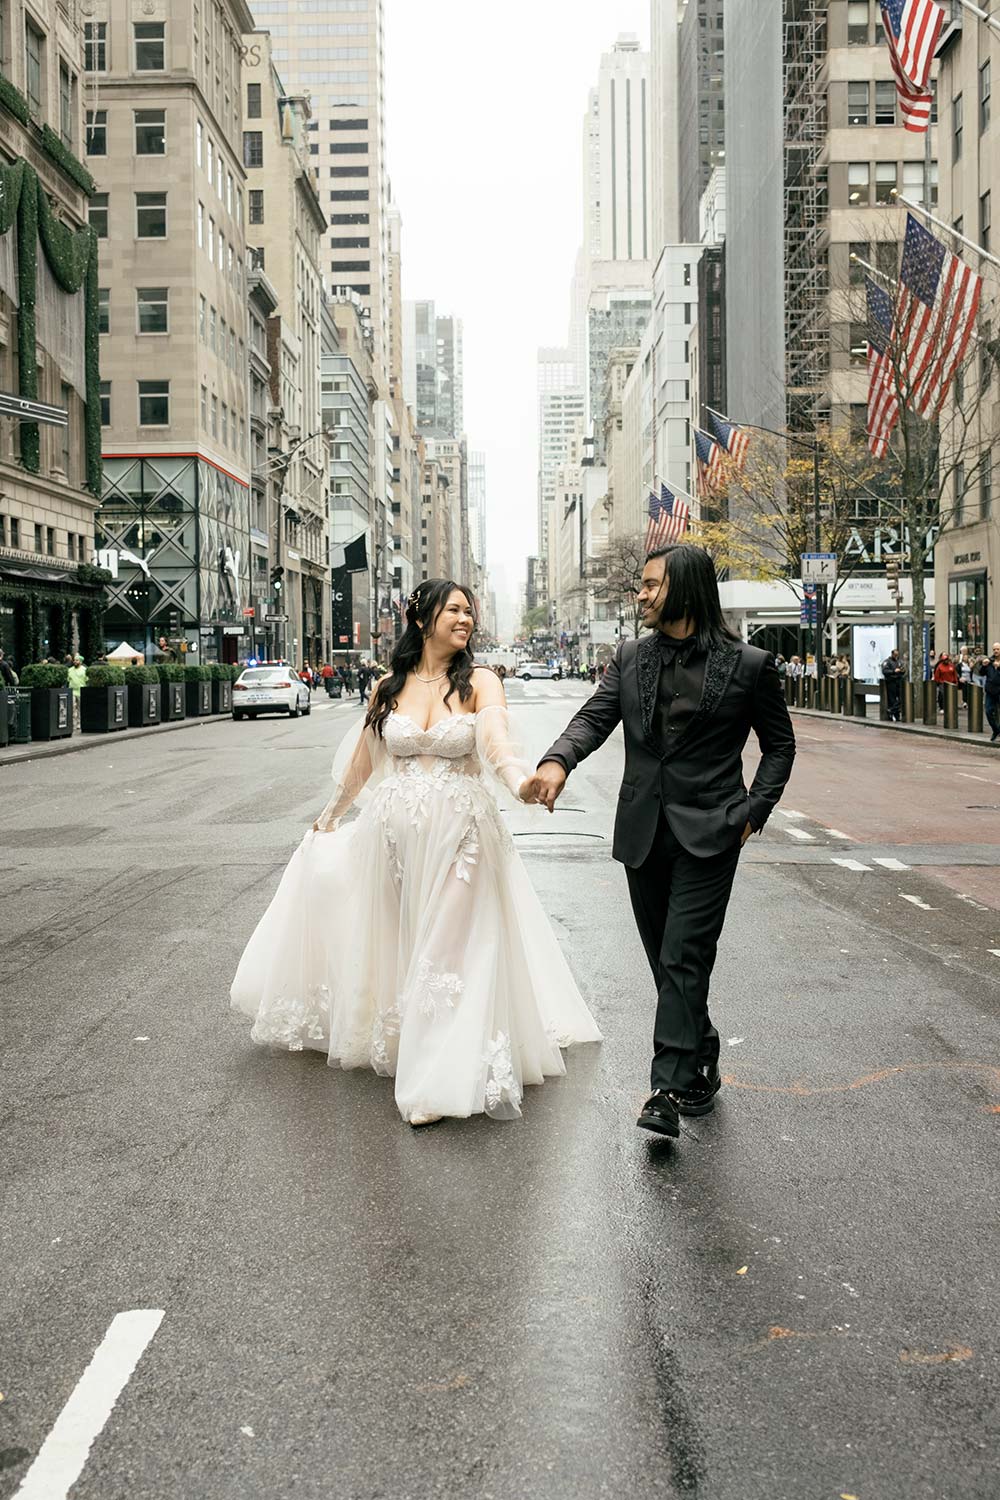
414	597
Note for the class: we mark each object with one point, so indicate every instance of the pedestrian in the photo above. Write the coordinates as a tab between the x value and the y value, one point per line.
782	665
326	676
794	667
687	695
502	672
76	678
893	672
990	670
7	674
964	665
164	649
364	681
456	987
944	672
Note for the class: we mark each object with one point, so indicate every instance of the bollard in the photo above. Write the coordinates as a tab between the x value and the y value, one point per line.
951	705
810	692
883	702
824	694
789	685
906	696
975	708
930	714
852	703
800	692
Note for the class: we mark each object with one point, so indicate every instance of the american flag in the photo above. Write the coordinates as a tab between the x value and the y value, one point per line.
668	518
912	29
935	315
883	405
735	440
708	459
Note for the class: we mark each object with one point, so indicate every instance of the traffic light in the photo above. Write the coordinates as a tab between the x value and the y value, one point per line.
174	625
276	576
892	578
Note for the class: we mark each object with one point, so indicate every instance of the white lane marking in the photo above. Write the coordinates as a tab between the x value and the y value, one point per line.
916	901
800	833
994	951
851	864
891	864
835	833
969	777
969	901
61	1457
789	812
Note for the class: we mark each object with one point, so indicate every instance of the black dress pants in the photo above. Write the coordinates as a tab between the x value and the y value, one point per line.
680	906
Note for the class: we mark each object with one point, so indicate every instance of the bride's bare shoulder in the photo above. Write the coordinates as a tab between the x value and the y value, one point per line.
487	689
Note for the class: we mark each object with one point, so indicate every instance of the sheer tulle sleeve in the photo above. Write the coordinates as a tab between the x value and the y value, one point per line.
498	751
358	767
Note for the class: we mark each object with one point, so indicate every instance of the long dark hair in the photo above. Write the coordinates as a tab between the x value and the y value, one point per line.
423	607
693	593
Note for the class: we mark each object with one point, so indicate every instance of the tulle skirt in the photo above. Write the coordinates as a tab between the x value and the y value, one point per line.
412	941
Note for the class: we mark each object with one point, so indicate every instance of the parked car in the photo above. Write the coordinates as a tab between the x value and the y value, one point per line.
529	669
269	690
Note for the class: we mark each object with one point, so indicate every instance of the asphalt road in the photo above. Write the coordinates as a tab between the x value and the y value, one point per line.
798	1299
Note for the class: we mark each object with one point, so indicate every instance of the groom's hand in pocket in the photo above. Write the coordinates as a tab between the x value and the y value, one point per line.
547	783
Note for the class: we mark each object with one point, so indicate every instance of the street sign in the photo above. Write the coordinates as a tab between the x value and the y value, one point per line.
32	411
248	614
819	567
275	619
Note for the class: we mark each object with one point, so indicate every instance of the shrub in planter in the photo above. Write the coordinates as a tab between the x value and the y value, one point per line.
198	691
104	700
51	700
222	687
173	696
143	695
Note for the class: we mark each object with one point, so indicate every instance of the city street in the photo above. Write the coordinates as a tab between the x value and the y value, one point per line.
796	1301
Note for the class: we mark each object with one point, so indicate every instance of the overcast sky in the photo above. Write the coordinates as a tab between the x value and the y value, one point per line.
485	110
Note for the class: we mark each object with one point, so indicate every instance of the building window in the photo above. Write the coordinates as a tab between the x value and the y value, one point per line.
211	161
986	485
859	343
67	92
229	193
201	226
984	96
359	196
885	102
256	203
199	142
151	216
150	132
34	53
984	221
858	182
914	181
253	148
212	324
967	613
153	309
150	46
105	403
202	319
857	103
253	101
97	132
348	171
348	218
95	46
351	265
38	537
858	28
349	148
50	541
204	408
215	416
211	239
886	180
348	244
104	309
15	532
97	215
956	127
154	403
225	425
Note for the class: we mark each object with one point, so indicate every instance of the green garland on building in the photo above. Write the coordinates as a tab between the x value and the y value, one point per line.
63	157
71	255
13	100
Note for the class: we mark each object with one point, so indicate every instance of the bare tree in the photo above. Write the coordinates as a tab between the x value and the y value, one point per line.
615	574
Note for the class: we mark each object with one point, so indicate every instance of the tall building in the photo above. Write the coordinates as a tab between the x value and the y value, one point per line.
664	138
50	475
285	228
336	53
701	140
433	369
616	319
618	157
165	147
477	506
349	393
561	420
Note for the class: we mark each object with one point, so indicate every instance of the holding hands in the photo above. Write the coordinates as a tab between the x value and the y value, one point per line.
544	786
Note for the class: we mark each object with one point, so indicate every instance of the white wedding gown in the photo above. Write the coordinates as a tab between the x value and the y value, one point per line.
411	940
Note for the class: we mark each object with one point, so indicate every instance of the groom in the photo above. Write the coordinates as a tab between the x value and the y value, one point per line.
687	696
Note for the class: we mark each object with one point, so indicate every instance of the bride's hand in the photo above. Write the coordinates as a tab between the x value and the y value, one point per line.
528	790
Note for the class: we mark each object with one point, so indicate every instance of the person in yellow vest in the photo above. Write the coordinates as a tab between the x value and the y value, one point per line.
77	678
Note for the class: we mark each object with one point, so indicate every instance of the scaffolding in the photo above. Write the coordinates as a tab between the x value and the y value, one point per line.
807	283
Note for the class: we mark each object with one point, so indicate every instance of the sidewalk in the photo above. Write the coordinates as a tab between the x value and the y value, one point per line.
43	749
960	736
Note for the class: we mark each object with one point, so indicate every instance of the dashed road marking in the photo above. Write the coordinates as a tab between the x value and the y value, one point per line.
994	951
970	901
835	833
789	812
852	864
800	833
916	901
891	864
62	1456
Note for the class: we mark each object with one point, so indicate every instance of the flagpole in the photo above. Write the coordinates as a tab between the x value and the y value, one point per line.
990	20
920	209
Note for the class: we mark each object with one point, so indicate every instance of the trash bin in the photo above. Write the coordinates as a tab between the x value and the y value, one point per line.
336	688
20	729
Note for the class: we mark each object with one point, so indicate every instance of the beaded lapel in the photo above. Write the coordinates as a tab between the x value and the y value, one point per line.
719	669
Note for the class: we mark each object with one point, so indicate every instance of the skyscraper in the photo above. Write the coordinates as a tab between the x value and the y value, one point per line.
618	157
701	141
663	81
433	371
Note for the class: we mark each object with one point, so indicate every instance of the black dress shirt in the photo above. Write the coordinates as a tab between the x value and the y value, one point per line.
682	678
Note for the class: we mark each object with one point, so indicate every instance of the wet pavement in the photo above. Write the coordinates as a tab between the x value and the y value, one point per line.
798	1299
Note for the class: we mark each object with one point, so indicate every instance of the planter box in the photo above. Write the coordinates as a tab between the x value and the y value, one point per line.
172	700
143	704
197	698
222	697
20	724
51	713
103	709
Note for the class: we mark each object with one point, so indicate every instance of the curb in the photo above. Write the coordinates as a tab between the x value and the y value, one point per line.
45	749
955	736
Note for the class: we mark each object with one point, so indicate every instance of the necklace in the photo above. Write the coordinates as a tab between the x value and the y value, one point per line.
428	680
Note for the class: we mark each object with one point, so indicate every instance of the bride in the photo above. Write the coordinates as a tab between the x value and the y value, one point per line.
451	979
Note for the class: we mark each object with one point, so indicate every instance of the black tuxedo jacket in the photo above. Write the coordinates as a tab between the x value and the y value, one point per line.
698	778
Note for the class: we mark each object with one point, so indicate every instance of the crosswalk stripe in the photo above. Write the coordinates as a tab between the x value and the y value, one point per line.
852	864
892	864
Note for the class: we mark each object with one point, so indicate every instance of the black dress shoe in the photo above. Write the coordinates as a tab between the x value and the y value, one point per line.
659	1114
699	1097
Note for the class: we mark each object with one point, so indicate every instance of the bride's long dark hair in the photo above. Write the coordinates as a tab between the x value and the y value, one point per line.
423	608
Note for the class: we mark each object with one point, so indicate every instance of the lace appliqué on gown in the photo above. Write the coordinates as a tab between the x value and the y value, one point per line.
435	988
501	1085
294	1023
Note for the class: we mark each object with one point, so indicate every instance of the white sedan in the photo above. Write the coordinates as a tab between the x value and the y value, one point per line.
269	690
529	669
